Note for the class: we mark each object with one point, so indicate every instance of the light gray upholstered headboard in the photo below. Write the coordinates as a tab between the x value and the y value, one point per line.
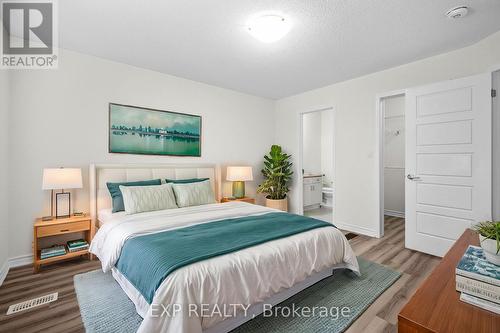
100	174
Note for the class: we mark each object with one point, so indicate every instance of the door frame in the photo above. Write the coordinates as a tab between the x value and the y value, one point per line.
495	116
379	152
379	141
300	163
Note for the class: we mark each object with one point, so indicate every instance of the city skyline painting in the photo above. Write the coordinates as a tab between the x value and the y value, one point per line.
137	130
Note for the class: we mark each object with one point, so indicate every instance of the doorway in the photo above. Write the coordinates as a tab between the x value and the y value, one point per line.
316	159
392	159
448	160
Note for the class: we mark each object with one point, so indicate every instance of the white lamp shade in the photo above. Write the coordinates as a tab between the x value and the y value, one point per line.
239	173
61	178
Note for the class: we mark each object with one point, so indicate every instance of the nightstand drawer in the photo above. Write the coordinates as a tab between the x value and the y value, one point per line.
63	228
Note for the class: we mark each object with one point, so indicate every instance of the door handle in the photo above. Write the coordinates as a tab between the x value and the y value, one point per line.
413	177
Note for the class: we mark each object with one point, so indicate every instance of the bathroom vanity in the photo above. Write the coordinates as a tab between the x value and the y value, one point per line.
313	196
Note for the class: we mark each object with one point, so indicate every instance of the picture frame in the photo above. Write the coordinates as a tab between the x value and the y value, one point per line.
146	131
63	205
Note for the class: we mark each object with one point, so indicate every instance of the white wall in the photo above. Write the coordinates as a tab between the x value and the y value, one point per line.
355	137
311	143
394	155
496	147
60	118
4	136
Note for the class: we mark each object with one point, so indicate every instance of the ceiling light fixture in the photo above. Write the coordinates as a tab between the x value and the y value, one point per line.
457	12
268	28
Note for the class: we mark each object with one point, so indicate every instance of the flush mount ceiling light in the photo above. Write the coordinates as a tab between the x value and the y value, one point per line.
268	28
457	12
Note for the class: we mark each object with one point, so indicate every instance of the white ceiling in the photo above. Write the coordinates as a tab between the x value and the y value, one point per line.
330	41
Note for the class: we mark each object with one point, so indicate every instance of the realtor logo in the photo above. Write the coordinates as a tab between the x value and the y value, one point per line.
29	36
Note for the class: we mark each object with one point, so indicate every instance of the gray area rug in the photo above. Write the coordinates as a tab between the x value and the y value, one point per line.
105	308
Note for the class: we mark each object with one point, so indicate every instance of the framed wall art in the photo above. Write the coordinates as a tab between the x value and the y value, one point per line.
137	130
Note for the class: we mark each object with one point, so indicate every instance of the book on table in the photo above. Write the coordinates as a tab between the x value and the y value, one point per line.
77	245
479	302
78	248
478	279
53	251
77	242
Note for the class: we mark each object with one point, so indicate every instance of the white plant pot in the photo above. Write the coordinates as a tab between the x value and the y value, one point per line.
490	250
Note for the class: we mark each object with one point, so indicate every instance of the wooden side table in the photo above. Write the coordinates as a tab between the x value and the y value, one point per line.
57	227
436	305
244	199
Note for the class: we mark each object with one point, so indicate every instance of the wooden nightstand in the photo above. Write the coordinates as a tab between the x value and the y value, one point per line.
244	199
57	227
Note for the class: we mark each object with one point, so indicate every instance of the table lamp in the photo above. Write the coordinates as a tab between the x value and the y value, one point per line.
60	179
238	175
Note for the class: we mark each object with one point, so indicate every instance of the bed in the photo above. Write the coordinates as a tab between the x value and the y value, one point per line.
241	281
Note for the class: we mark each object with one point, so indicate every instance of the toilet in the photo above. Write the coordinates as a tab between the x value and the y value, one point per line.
327	196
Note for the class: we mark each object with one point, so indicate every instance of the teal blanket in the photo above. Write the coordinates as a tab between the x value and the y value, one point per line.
147	260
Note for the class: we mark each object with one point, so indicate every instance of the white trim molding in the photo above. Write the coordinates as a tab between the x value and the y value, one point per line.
394	213
357	229
3	271
24	260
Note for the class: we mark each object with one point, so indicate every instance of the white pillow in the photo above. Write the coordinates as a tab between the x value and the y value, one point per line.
138	199
194	194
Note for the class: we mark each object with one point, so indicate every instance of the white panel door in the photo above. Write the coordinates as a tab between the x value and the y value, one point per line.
448	161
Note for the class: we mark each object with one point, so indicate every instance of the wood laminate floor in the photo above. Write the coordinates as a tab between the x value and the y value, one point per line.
382	315
64	314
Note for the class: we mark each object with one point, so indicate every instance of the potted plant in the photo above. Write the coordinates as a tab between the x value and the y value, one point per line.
489	237
277	174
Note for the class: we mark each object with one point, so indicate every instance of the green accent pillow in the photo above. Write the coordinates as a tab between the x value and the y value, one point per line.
186	181
116	194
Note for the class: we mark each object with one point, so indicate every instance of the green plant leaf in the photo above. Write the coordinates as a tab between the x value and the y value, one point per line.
489	230
277	173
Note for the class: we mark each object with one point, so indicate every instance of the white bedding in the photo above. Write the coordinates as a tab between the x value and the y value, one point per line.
106	215
244	277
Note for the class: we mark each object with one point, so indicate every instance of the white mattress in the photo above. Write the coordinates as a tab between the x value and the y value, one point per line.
248	276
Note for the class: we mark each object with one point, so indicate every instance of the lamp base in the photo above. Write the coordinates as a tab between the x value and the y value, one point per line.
238	189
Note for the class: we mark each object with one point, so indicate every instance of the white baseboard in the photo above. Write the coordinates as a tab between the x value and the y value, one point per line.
311	207
357	229
3	271
394	213
26	259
